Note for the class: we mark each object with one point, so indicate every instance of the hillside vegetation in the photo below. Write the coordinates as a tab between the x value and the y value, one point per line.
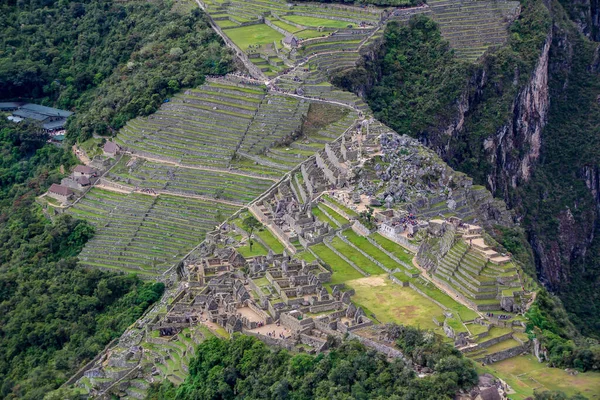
246	367
54	315
413	83
108	61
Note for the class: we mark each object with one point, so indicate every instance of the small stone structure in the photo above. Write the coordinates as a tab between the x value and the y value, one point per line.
60	193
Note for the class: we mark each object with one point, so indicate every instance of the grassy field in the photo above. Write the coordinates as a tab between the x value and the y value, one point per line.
253	35
400	252
339	218
525	374
356	257
393	303
316	22
342	271
257	250
270	240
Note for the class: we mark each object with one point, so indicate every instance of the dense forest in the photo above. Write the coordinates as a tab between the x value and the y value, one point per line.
54	316
244	367
108	61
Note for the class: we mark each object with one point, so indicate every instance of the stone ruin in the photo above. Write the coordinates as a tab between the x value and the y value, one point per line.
291	220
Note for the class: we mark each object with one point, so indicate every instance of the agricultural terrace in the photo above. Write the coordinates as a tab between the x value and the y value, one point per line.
525	374
144	234
138	172
314	22
286	131
252	35
201	126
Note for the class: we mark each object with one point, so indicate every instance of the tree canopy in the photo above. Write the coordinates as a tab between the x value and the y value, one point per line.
244	367
106	60
54	315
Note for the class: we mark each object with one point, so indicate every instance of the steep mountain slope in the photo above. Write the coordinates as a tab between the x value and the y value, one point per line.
523	122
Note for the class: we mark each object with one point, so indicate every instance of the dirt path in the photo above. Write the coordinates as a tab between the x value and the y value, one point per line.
226	171
81	155
159	192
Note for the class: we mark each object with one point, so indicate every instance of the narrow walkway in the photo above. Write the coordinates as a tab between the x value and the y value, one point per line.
197	167
166	192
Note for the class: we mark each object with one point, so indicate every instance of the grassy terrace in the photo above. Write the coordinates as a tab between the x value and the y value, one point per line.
246	36
428	288
356	257
321	216
270	240
366	246
217	184
398	251
316	22
337	217
341	206
143	234
342	271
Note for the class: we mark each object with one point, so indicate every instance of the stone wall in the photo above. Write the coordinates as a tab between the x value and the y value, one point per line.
295	324
387	350
504	354
269	341
398	281
360	229
400	240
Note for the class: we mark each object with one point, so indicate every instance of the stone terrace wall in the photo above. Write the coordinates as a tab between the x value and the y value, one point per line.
382	348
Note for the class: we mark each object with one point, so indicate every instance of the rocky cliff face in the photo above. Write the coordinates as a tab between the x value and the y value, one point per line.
513	150
586	14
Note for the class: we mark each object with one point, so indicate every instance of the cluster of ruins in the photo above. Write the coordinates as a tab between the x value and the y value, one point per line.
277	298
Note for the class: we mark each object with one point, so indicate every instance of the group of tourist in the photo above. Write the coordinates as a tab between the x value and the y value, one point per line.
147	190
499	316
281	335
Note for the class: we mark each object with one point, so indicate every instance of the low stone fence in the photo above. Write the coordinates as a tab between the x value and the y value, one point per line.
504	354
269	341
398	281
382	348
